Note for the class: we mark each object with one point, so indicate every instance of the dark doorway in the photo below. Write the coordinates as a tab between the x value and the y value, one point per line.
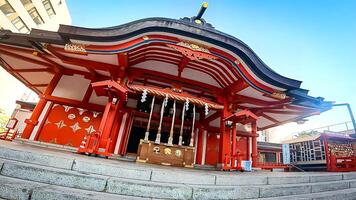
136	134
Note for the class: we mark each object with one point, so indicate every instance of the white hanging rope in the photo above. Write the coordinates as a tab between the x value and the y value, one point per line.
181	126
149	120
158	137
193	124
170	139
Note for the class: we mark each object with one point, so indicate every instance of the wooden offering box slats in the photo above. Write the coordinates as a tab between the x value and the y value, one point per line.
180	156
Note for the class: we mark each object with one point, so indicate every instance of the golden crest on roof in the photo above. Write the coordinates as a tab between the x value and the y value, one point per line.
193	46
75	48
279	95
192	51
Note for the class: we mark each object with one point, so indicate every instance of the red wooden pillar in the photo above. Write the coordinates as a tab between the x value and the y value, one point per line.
115	131
200	145
327	155
225	141
233	139
248	148
106	124
254	144
33	121
233	153
127	129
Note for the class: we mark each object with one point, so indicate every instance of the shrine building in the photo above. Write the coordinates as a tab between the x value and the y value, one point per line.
167	91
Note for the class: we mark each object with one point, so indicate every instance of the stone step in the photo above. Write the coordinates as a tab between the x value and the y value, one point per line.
49	175
11	188
153	189
40	158
130	170
346	194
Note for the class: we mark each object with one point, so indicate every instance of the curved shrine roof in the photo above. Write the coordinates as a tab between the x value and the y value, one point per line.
223	46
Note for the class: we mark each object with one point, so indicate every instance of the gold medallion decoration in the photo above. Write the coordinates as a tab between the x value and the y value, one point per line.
86	119
71	116
279	95
156	150
167	151
75	48
192	51
178	153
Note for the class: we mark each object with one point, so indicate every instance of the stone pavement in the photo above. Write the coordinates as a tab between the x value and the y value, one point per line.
32	172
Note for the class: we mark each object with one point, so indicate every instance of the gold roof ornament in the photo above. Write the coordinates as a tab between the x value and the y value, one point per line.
75	48
192	51
279	95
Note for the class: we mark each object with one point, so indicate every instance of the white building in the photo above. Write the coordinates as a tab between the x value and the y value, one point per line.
23	15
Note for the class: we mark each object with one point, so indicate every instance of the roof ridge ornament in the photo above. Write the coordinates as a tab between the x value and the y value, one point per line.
198	20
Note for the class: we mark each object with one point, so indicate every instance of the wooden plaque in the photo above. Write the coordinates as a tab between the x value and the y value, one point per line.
181	156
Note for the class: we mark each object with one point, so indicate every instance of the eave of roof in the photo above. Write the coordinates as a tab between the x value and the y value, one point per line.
180	27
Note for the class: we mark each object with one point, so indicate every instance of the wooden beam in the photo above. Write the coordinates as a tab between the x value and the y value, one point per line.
34	70
89	64
236	87
212	117
269	118
134	72
239	99
20	57
74	103
39	85
9	69
283	112
183	62
123	60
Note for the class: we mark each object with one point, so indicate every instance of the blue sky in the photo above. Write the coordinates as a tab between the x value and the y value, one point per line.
313	41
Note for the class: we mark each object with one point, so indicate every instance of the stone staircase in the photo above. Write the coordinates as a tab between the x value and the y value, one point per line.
29	172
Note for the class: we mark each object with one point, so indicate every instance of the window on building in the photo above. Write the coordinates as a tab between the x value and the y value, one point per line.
49	8
35	16
26	2
6	8
20	25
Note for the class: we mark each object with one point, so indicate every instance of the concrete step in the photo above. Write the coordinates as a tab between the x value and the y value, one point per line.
58	175
153	189
11	188
41	158
123	169
49	175
346	194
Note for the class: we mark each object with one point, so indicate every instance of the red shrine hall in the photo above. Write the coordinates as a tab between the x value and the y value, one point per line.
171	92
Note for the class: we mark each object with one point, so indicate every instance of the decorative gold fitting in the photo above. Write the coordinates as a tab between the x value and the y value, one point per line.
205	4
35	53
279	95
75	48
